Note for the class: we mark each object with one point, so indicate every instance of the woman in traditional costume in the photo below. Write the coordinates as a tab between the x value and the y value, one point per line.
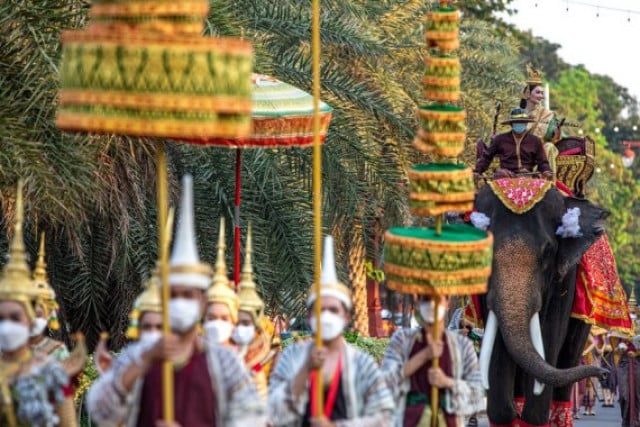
45	308
407	364
545	123
356	393
34	388
254	332
221	314
211	386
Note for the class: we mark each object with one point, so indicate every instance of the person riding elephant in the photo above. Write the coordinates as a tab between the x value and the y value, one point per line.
531	341
519	152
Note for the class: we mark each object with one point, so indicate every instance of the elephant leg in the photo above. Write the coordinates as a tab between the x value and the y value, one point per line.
518	390
502	374
561	408
577	335
536	408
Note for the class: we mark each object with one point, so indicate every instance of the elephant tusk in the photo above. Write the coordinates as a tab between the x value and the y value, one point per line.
536	339
490	331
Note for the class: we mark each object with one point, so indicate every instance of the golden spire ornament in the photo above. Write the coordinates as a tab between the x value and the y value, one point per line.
16	283
250	301
220	290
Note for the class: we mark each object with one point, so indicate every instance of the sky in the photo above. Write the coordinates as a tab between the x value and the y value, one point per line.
606	44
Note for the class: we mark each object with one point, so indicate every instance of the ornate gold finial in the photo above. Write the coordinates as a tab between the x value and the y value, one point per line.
534	77
632	299
220	290
16	283
250	301
220	273
40	280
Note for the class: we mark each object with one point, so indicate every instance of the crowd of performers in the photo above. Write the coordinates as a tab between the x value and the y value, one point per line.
226	370
228	367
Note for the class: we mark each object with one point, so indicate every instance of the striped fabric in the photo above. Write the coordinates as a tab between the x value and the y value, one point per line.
368	398
465	398
238	403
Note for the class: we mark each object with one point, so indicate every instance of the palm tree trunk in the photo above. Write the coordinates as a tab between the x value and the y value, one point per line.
358	278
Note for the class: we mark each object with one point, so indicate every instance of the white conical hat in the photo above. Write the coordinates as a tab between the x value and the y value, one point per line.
185	268
330	286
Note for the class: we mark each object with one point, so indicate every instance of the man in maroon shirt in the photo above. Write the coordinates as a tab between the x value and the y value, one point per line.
518	150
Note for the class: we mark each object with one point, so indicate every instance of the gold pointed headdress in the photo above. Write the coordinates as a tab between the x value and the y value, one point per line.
185	268
45	296
329	284
16	283
250	301
534	77
149	301
220	290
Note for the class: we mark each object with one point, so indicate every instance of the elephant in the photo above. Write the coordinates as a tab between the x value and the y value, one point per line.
531	345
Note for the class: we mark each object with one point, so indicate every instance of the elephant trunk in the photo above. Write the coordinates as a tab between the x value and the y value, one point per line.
521	348
516	298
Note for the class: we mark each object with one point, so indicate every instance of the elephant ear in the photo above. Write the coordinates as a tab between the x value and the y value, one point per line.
575	238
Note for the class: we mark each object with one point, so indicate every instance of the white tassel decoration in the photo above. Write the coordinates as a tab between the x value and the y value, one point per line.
480	220
570	224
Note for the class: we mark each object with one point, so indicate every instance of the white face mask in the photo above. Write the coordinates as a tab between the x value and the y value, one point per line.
39	327
332	325
183	314
149	338
13	335
218	331
243	335
427	311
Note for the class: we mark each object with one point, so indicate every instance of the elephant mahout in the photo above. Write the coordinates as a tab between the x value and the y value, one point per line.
531	345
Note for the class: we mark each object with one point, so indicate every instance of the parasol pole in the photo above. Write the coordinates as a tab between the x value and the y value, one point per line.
435	363
318	405
163	248
236	231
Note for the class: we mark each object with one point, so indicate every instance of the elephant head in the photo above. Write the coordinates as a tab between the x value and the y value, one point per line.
533	251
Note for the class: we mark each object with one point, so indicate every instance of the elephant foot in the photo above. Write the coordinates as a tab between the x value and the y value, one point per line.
520	423
561	414
518	404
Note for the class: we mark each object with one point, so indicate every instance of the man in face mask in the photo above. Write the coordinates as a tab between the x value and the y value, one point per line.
519	151
407	365
211	386
356	395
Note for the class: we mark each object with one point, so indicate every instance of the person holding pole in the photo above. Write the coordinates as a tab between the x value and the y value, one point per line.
211	386
408	366
356	394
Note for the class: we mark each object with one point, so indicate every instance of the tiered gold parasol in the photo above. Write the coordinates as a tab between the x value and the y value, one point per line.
447	259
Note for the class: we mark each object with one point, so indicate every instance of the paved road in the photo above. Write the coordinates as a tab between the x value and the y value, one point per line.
605	417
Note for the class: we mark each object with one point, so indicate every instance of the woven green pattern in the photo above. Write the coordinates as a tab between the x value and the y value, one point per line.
443	126
133	113
432	260
436	70
441	187
433	88
152	69
442	108
445	283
